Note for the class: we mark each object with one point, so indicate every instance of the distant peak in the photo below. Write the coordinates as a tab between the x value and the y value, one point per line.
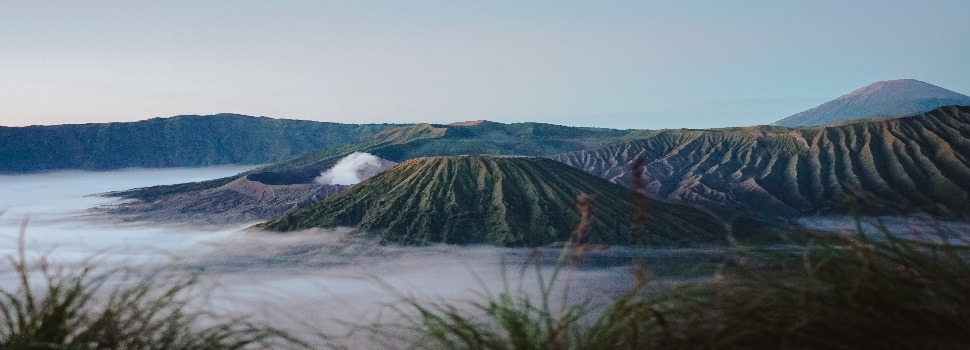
900	84
886	98
900	81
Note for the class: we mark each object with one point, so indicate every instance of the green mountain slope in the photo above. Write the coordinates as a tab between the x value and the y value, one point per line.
170	142
918	163
509	201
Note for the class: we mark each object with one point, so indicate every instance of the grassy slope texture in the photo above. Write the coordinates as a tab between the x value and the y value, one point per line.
918	163
169	142
509	201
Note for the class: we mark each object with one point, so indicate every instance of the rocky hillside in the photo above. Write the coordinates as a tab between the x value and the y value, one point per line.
918	163
181	141
887	99
509	201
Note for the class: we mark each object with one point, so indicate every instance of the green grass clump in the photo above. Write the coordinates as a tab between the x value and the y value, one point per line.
86	308
834	292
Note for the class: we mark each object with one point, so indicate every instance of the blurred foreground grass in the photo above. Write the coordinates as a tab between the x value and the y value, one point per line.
45	306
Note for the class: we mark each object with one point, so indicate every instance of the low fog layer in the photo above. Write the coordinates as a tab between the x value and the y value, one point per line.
272	276
56	205
353	169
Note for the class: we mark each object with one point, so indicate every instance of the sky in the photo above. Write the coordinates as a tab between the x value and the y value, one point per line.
641	64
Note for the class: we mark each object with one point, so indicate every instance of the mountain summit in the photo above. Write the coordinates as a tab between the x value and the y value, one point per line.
890	98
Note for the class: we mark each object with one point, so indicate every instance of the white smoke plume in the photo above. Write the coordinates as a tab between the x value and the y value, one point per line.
354	168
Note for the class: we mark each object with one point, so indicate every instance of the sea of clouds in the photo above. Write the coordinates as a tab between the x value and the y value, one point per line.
309	281
316	277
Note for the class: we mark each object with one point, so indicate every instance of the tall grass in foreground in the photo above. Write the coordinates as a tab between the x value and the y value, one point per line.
834	292
843	292
79	307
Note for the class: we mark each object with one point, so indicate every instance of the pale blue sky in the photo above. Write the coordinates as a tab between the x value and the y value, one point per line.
644	64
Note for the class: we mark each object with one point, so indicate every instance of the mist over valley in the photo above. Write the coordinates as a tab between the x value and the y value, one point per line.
270	276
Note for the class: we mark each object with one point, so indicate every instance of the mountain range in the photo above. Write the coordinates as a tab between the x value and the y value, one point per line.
874	166
886	166
193	140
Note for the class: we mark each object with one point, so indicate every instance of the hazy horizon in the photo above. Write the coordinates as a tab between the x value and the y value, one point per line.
644	65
